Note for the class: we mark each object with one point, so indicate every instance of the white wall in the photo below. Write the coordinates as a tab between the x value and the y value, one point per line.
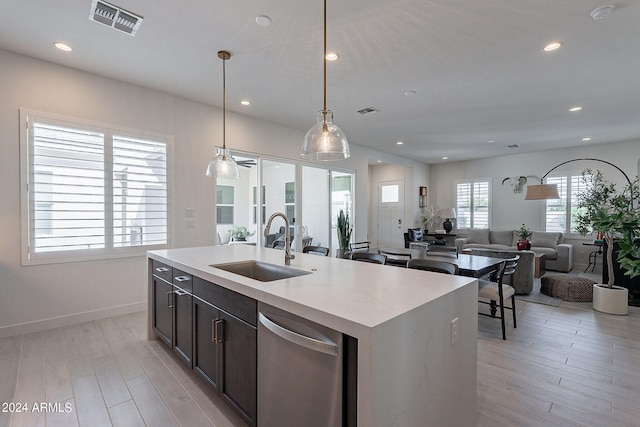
510	210
45	296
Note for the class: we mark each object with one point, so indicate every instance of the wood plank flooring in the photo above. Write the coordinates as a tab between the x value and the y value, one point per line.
562	366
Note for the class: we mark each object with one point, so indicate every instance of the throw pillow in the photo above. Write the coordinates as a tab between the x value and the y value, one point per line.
415	234
543	239
478	235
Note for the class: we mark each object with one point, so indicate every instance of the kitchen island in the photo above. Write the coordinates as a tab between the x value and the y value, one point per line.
415	331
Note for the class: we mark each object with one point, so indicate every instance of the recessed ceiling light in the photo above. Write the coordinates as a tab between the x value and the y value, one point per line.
491	141
552	46
332	56
586	139
263	20
379	161
445	158
63	46
410	93
399	143
601	12
245	102
576	108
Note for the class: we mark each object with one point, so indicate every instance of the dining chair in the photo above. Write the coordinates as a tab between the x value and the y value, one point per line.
359	246
369	257
433	265
442	250
497	291
316	250
394	258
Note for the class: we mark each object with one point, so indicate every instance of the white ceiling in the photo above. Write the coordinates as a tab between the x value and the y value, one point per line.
477	67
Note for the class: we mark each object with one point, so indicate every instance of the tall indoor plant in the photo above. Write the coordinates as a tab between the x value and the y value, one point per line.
602	208
344	230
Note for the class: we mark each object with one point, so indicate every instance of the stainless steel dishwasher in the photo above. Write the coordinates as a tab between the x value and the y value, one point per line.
299	371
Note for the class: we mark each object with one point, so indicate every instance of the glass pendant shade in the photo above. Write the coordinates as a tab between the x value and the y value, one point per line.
223	166
325	141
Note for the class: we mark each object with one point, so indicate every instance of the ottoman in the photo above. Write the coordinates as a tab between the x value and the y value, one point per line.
567	288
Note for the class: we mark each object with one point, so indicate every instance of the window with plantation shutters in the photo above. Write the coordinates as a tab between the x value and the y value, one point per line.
91	191
560	213
473	204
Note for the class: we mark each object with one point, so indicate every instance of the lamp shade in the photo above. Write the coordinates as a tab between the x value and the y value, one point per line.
223	166
446	213
542	192
325	141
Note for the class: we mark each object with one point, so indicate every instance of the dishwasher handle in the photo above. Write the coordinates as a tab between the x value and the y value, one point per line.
313	344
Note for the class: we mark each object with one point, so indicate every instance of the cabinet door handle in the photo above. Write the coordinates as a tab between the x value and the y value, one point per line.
169	302
180	292
162	269
219	331
182	278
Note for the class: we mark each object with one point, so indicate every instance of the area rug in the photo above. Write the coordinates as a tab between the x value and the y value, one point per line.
536	297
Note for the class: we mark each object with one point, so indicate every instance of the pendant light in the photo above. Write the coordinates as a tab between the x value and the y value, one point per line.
325	141
223	165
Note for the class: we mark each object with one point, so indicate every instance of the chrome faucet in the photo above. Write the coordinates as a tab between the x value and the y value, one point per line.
287	237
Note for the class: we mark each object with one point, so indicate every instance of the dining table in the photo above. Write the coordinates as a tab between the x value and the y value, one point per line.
468	265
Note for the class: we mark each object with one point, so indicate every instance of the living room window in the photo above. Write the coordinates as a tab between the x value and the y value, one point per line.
473	203
90	191
559	213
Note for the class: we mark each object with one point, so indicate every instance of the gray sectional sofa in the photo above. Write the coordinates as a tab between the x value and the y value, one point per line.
558	255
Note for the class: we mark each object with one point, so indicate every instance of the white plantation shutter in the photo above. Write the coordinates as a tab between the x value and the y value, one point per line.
91	193
139	192
559	213
67	189
473	204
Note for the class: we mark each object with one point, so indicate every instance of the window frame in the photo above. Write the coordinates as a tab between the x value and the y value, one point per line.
473	182
27	116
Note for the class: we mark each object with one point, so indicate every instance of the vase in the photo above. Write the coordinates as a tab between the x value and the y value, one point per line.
611	300
523	245
340	253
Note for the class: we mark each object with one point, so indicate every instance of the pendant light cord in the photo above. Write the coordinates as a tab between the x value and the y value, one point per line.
324	57
224	105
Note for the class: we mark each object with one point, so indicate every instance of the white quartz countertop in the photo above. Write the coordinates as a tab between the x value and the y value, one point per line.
349	296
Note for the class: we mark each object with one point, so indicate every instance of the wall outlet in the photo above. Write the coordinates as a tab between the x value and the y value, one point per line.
190	224
454	331
190	212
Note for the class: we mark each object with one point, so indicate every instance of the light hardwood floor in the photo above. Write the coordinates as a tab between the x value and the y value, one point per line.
562	366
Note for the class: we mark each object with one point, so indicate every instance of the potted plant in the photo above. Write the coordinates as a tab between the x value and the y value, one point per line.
344	230
611	213
524	233
429	218
240	233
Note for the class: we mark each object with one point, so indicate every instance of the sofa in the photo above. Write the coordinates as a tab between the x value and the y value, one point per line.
522	279
558	255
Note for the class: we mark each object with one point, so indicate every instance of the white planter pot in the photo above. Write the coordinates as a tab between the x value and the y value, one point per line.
611	301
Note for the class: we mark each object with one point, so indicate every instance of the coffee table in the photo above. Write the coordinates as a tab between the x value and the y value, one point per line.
539	267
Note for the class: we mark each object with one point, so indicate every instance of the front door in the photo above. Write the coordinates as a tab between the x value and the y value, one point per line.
391	214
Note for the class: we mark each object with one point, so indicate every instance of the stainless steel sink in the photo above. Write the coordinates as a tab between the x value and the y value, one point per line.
262	271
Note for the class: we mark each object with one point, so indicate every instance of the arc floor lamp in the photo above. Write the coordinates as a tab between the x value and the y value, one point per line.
544	191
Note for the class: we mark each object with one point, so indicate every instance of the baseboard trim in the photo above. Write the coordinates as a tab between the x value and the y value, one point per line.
57	322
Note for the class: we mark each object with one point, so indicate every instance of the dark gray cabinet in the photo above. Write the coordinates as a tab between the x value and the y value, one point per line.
182	315
172	308
225	345
162	302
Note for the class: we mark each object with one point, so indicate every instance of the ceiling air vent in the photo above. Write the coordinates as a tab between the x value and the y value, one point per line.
114	17
368	110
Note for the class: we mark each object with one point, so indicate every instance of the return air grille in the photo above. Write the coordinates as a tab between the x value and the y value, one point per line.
115	17
368	110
